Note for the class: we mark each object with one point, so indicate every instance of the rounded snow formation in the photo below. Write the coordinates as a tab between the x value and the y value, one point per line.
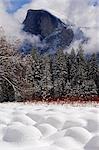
20	133
2	130
93	144
36	117
4	119
48	127
79	134
23	119
55	121
93	125
75	123
67	143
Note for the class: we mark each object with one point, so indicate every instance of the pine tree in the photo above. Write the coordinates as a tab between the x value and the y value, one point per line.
60	73
77	91
93	68
93	71
37	74
46	82
89	88
81	67
68	89
72	65
55	77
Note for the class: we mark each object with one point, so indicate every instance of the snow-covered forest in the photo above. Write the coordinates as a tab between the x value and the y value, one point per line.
33	76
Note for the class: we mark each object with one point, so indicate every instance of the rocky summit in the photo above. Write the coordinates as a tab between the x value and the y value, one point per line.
54	34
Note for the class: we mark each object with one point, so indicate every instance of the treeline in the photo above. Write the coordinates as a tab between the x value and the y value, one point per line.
36	76
64	75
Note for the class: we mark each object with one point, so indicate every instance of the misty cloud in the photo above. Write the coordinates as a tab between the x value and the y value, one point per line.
78	12
12	27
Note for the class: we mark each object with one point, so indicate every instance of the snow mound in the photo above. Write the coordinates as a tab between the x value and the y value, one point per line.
19	112
2	130
4	118
47	129
93	125
18	133
55	136
74	123
55	121
67	143
23	119
93	144
52	147
79	134
36	117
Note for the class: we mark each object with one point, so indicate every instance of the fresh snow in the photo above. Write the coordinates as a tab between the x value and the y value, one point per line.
48	127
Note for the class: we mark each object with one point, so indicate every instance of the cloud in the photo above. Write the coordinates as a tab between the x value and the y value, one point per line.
93	43
79	12
82	13
12	27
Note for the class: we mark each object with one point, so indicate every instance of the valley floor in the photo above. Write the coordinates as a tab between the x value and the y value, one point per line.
48	127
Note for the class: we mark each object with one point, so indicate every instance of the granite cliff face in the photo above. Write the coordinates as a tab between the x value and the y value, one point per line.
54	34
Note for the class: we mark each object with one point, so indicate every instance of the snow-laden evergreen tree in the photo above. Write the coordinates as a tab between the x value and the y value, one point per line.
60	73
53	73
72	65
11	69
46	81
37	74
93	67
77	91
68	89
80	67
89	88
55	78
28	76
93	72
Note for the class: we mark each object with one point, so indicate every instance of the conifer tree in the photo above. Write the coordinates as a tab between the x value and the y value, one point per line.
93	72
89	88
81	67
93	67
46	81
61	73
72	64
37	74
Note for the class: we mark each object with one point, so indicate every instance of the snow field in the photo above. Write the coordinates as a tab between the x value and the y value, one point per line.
48	127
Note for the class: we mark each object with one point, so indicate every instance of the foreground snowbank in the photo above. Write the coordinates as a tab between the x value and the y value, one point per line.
48	127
